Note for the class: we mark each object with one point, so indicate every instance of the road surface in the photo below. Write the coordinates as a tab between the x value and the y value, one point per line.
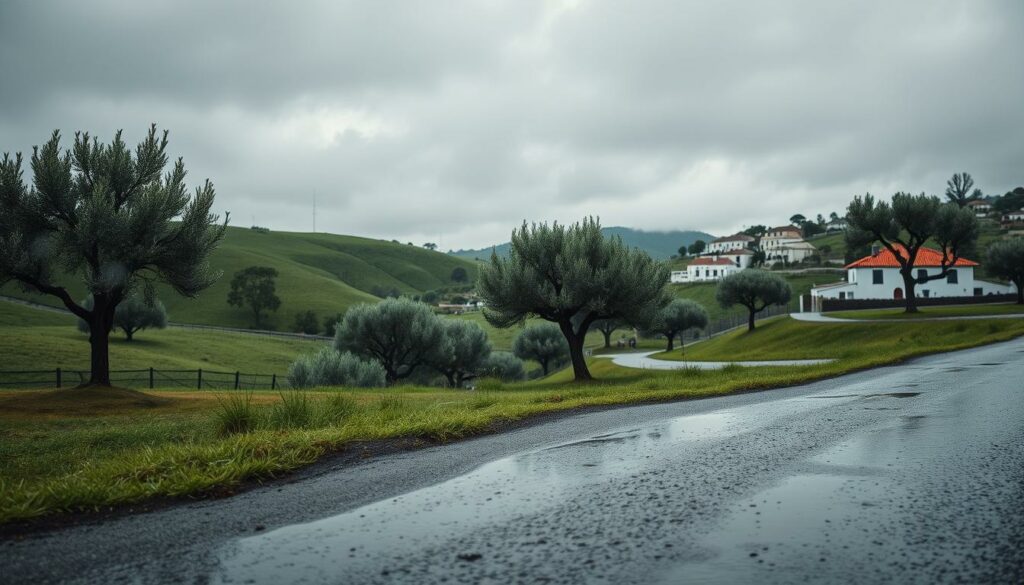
644	361
909	474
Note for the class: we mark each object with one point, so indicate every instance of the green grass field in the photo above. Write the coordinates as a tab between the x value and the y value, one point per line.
71	450
325	273
929	312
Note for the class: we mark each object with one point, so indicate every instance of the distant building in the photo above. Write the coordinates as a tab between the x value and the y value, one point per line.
711	268
785	244
1014	219
724	244
878	277
838	225
980	207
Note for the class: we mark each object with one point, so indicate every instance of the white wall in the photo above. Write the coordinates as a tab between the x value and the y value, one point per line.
861	285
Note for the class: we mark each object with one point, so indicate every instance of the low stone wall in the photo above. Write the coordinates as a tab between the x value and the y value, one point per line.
854	304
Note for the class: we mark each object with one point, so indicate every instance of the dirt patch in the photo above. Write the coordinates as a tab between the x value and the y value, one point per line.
87	401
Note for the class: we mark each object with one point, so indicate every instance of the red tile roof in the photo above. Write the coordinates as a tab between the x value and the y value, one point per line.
708	261
925	257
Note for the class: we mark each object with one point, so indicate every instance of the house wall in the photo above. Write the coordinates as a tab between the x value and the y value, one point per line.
709	273
861	285
826	305
719	247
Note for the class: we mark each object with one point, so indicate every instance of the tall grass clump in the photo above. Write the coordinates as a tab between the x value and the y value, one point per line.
328	367
337	408
236	414
295	410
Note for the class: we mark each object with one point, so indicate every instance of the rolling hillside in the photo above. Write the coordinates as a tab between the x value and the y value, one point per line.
660	245
323	272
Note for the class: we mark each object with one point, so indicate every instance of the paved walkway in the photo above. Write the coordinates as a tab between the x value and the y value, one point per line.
643	361
819	318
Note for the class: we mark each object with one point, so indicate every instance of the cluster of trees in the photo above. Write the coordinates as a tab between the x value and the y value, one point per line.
406	340
131	316
810	227
694	249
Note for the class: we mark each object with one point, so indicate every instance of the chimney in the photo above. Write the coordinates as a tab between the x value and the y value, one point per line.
875	249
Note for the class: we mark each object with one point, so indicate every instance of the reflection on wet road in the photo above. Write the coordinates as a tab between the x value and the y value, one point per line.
916	476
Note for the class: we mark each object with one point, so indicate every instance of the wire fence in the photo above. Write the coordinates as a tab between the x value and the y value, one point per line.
198	379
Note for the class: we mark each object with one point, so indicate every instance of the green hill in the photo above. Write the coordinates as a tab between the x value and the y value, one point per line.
326	273
660	245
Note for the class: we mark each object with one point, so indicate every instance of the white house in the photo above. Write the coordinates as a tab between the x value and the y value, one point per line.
711	268
838	225
979	207
1014	217
726	243
878	277
785	244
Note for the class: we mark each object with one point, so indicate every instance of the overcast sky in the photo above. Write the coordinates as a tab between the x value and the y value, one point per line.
454	121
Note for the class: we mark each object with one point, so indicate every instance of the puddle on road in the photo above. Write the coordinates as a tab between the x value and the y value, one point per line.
893	395
769	537
380	534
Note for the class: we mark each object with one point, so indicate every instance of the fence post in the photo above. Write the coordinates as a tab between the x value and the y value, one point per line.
273	382
199	383
58	377
236	380
151	378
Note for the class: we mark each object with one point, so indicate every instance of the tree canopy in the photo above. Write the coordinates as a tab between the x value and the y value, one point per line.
462	353
110	218
542	343
256	288
754	289
556	272
676	318
958	189
905	226
400	334
697	247
1005	259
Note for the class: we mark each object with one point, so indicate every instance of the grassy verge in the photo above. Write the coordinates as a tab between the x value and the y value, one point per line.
929	312
69	451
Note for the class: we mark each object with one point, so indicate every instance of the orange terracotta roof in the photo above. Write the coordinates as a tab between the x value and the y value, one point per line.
708	261
925	257
734	238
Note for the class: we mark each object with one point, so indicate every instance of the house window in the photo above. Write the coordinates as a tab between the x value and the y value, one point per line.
978	292
849	295
952	277
716	272
876	276
922	275
842	296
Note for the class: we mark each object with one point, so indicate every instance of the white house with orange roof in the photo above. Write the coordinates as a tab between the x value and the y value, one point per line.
878	277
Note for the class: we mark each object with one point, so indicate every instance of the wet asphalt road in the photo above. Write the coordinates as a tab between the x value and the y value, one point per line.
909	474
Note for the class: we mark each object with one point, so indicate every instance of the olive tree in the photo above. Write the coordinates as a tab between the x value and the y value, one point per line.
503	365
542	343
132	315
905	226
607	327
112	220
754	289
556	272
1005	259
399	334
958	189
462	352
676	318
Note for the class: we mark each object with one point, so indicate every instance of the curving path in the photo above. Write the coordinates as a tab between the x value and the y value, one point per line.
643	361
820	318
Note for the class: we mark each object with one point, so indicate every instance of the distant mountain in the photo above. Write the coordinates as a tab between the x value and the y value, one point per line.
660	245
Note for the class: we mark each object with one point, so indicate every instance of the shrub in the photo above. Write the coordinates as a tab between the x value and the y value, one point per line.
306	322
542	343
236	414
504	366
328	367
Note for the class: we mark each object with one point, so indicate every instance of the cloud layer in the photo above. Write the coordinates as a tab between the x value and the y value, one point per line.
454	121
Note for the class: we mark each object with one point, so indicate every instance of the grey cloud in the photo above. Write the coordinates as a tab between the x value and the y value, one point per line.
457	120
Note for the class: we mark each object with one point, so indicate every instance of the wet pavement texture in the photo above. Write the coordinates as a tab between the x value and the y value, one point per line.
909	474
644	361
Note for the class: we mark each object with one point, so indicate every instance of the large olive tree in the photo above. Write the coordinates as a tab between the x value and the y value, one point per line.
905	226
756	290
108	217
1005	259
462	353
557	272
